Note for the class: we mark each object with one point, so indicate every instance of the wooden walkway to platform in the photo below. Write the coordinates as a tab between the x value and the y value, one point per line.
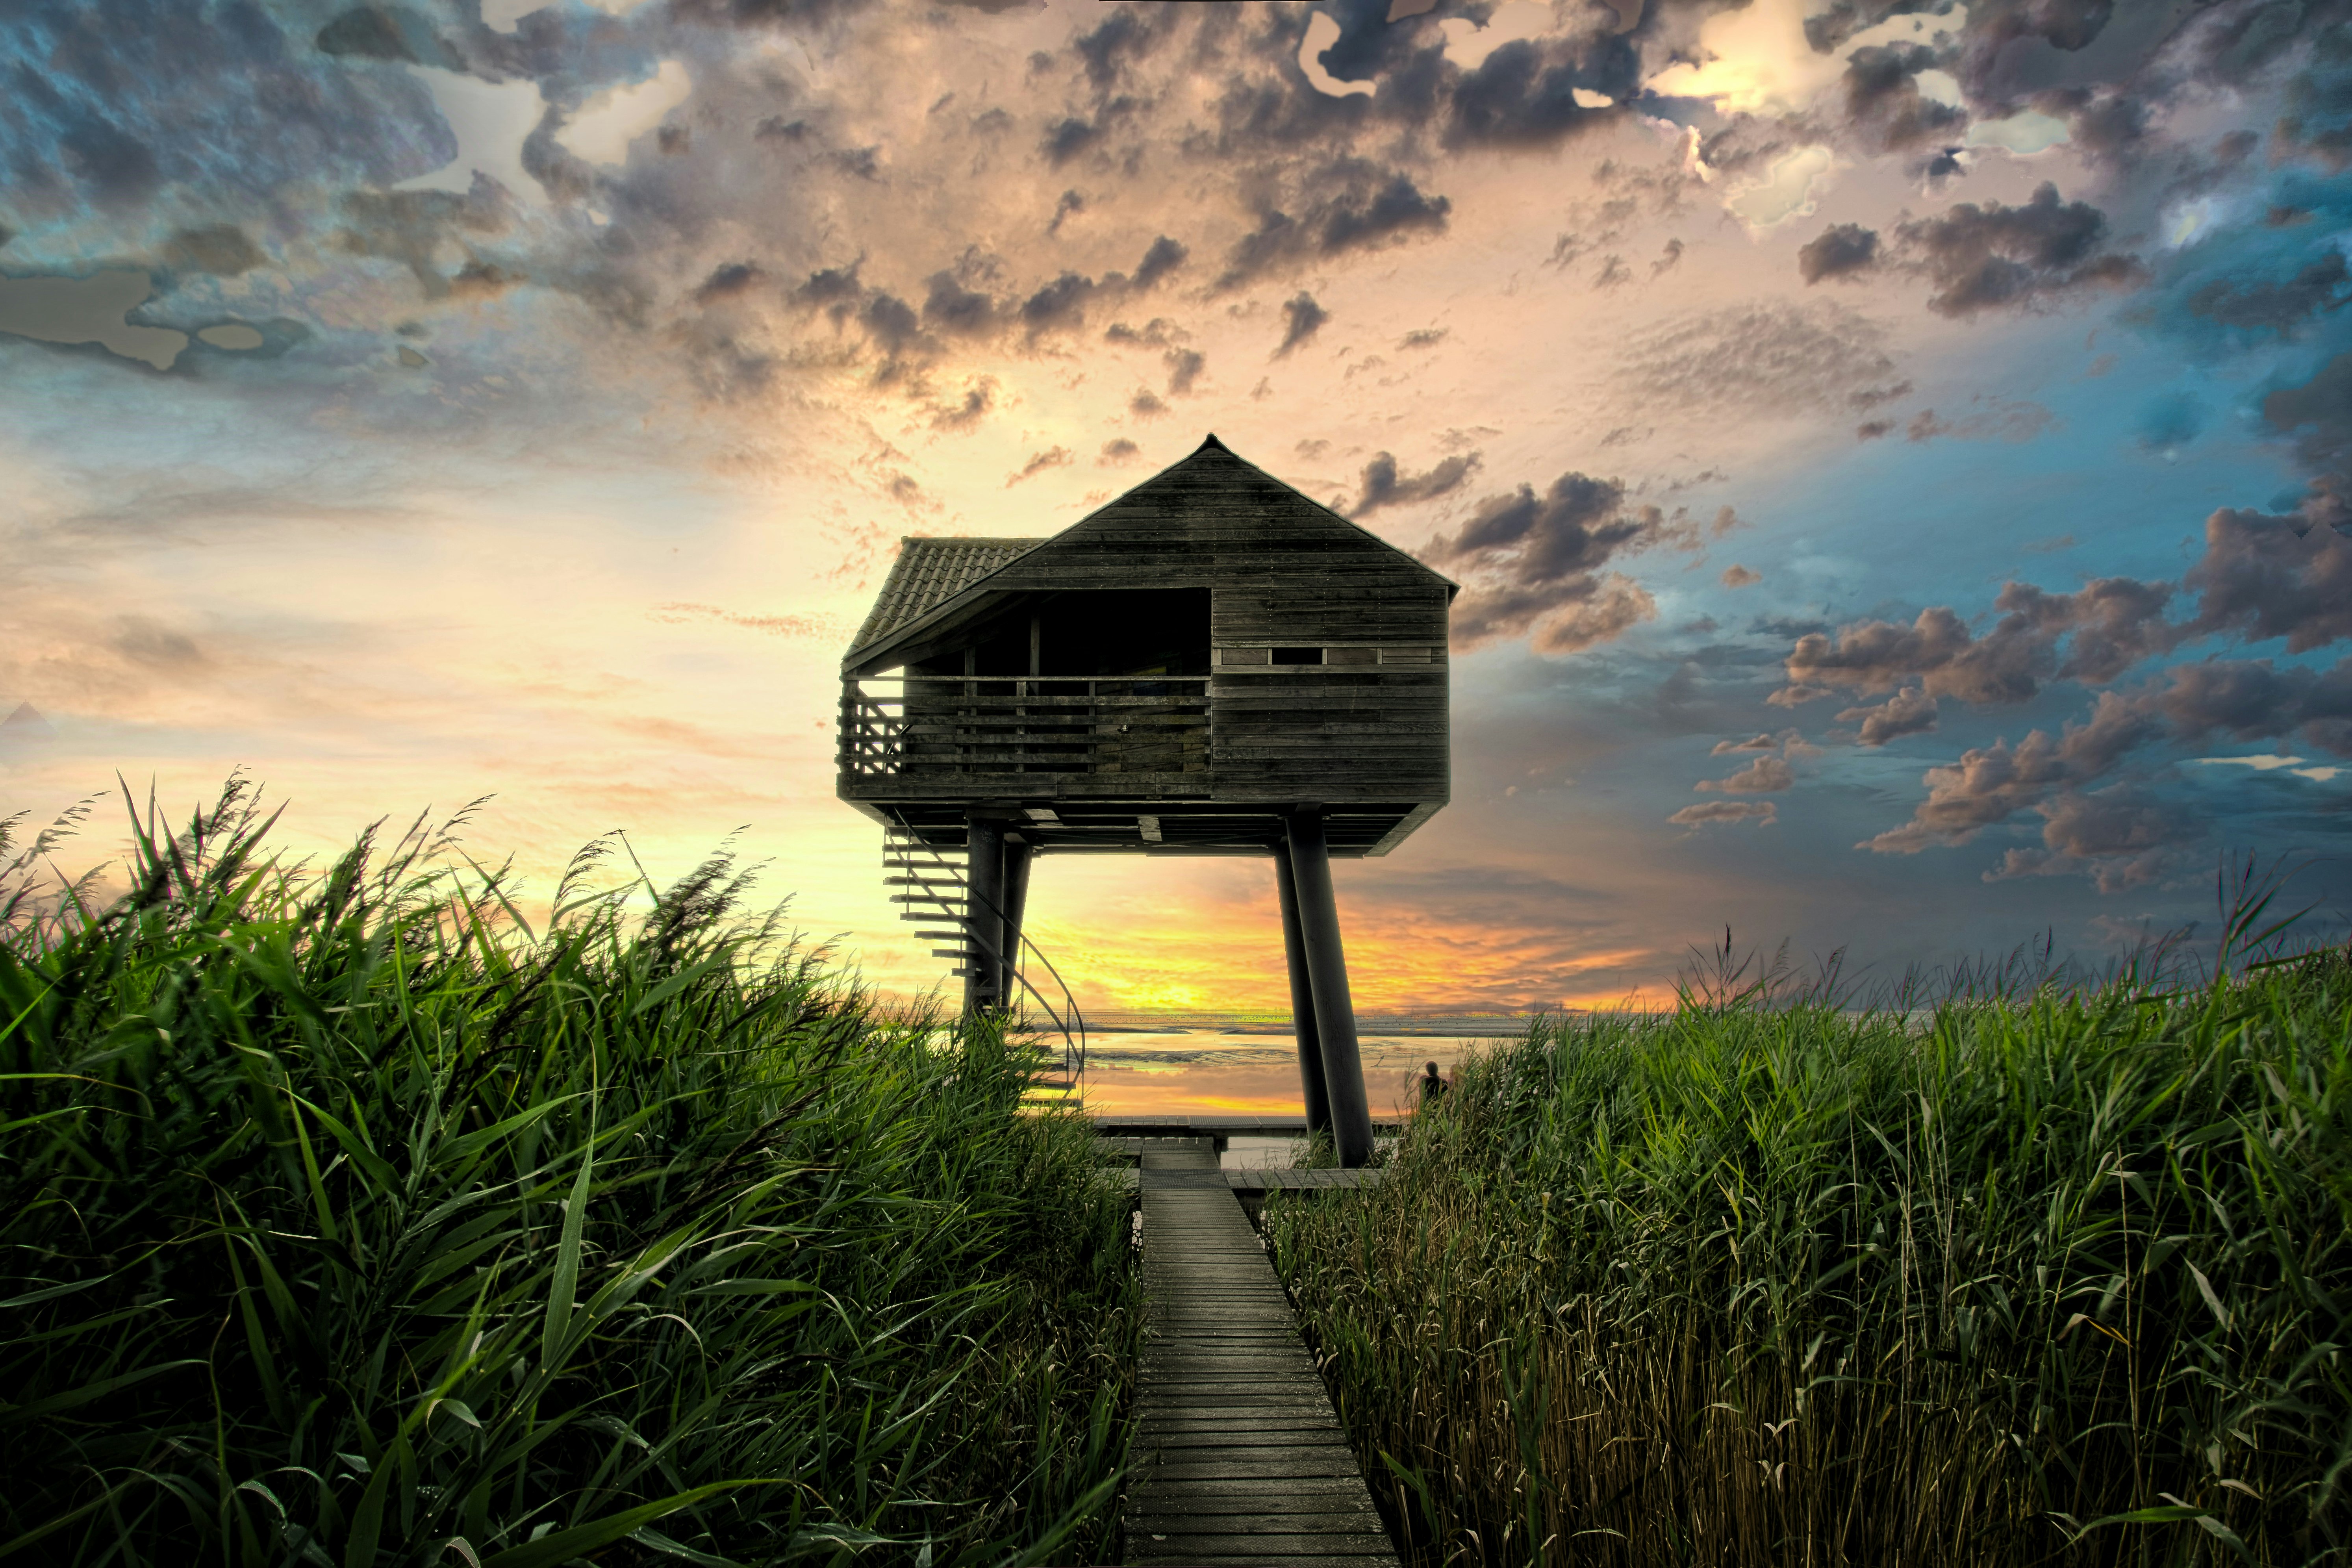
1238	1457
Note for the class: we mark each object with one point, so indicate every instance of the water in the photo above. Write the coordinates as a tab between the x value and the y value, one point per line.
1203	1073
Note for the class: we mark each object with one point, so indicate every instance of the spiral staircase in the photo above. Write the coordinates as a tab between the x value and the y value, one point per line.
930	890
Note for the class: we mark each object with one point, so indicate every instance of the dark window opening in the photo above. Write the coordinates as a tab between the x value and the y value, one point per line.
1298	656
1124	631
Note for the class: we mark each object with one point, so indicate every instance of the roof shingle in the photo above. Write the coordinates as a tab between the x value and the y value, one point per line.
929	571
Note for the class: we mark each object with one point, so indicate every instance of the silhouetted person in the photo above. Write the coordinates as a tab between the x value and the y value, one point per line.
1432	1085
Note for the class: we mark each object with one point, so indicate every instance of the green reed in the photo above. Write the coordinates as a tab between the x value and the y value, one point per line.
2059	1277
345	1221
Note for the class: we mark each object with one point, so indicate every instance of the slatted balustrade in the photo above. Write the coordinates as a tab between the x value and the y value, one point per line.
908	726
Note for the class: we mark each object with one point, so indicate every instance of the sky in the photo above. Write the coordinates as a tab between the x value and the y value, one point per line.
1896	455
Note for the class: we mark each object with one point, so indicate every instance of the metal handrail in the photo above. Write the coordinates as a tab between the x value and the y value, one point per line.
1070	1042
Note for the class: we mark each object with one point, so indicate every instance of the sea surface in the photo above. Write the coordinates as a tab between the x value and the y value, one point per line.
1205	1072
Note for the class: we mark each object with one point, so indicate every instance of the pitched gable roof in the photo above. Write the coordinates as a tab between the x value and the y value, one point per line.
928	573
1207	510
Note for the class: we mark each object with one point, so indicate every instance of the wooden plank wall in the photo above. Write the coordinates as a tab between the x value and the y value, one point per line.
1281	571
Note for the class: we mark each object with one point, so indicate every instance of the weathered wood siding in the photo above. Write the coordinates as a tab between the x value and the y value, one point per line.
1282	572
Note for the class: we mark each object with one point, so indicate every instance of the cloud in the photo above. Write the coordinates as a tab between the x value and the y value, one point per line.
1164	257
815	628
1762	812
2113	622
2281	307
1302	318
1991	257
1061	303
1535	565
729	281
1756	744
1347	206
1385	485
1769	358
1842	250
1760	777
1052	457
1998	419
1185	367
968	411
2119	834
2263	576
88	310
1885	107
1910	711
1737	576
222	249
1118	450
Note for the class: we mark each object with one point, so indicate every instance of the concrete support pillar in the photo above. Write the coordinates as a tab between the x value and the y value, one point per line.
1327	973
1302	996
1017	855
983	981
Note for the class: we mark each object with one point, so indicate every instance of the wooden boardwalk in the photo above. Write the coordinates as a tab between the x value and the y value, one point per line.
1238	1457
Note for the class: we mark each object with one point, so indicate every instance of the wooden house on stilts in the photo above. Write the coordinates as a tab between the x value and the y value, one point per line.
1212	663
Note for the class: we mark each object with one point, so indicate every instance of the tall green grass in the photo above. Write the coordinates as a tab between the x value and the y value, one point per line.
345	1221
2060	1278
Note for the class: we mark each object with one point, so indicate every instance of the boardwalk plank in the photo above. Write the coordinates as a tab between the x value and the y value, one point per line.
1238	1457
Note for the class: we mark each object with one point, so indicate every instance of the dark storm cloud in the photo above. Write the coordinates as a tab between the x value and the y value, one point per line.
1061	303
1991	257
221	248
2318	117
1537	565
2263	576
1517	98
2120	834
952	308
1385	485
1884	104
1347	205
2244	699
2253	699
1302	318
1164	257
730	281
891	323
1991	784
2113	623
104	104
2280	306
1841	250
1829	28
1185	367
2318	415
1067	138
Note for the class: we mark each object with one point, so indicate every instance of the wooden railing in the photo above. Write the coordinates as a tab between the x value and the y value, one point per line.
917	725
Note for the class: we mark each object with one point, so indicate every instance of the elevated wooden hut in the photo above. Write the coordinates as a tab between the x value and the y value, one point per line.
1212	663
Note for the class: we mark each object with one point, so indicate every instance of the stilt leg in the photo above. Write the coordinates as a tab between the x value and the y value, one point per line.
983	987
1327	970
1016	902
1302	996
